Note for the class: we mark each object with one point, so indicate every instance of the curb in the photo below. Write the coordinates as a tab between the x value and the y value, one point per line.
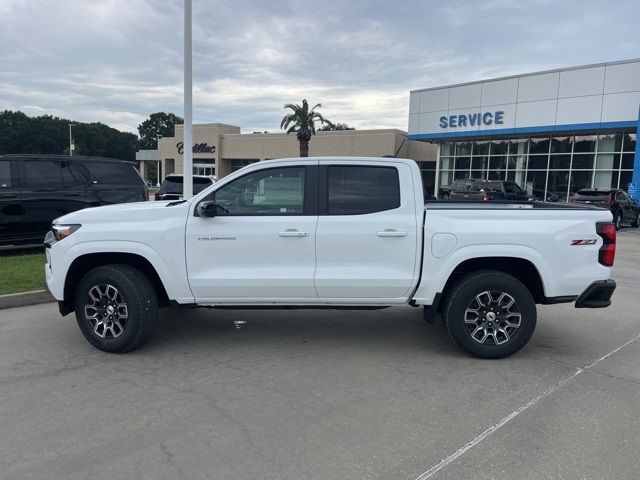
23	299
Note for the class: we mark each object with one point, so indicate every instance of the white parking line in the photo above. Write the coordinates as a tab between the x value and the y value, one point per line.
446	461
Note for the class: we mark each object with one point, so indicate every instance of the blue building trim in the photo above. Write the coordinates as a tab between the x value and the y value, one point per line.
634	186
550	129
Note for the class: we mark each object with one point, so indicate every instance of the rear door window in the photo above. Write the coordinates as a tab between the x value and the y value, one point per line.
6	180
113	173
356	190
42	174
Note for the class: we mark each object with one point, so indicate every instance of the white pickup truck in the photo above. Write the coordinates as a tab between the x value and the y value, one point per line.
330	233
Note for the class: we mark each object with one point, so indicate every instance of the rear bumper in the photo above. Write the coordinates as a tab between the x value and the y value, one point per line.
597	295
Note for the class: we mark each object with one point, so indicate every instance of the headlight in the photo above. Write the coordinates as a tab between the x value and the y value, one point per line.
63	231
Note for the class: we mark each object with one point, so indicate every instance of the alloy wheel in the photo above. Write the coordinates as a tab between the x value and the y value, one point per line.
492	317
106	311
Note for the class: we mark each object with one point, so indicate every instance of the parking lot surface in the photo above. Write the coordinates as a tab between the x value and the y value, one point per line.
325	395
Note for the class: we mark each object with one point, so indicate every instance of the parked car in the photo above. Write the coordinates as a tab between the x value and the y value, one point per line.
458	184
171	187
333	232
35	189
623	208
487	190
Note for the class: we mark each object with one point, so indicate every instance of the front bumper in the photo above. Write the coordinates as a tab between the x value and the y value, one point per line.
597	295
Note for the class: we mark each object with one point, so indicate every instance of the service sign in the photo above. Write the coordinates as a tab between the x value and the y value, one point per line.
472	119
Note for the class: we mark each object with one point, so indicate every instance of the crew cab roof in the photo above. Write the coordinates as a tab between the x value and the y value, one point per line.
66	158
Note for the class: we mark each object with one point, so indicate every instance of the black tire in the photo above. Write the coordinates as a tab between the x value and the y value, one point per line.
636	222
617	220
134	309
504	338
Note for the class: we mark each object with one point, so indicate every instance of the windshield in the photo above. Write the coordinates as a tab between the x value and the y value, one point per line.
174	184
593	196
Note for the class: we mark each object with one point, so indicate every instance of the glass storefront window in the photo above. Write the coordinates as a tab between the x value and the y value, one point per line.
561	144
447	149
481	148
583	161
463	148
559	162
497	163
585	144
479	163
446	177
605	180
496	174
463	163
535	184
629	142
579	180
446	163
558	183
499	147
625	178
517	163
544	165
538	162
608	161
539	145
627	161
518	146
517	176
610	142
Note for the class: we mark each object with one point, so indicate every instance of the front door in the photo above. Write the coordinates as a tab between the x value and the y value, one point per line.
261	245
11	230
368	233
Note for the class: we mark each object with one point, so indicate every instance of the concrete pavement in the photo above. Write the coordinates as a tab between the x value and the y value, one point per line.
324	394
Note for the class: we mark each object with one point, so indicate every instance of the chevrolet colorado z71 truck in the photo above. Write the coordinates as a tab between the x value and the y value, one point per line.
333	233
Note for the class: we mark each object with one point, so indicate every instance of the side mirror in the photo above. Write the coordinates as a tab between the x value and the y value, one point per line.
209	209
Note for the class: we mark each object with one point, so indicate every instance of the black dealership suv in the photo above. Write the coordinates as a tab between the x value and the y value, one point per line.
35	189
624	208
487	190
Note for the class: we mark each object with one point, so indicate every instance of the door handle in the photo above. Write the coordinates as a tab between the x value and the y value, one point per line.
11	195
72	194
291	232
389	232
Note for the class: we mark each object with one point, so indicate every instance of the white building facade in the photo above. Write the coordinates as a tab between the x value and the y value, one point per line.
552	132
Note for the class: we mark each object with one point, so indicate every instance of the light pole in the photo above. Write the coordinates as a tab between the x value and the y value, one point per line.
158	137
188	152
71	145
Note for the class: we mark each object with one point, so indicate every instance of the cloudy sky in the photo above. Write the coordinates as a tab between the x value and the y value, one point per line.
117	61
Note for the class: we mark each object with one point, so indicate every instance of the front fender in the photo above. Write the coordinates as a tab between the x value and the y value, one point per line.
173	275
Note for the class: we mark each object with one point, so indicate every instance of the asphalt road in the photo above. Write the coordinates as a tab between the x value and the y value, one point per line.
324	395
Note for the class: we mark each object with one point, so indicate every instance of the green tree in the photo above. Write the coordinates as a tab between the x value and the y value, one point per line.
158	124
303	122
335	127
46	134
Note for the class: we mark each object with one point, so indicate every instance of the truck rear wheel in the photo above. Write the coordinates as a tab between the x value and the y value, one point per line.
489	314
116	308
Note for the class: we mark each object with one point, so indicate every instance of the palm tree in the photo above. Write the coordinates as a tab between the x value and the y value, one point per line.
303	122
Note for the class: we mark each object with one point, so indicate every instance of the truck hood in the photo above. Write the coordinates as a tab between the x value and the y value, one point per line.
124	212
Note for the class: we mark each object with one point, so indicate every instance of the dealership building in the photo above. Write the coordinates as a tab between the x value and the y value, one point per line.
220	149
552	132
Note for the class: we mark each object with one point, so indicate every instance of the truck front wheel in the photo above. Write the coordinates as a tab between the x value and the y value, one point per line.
489	314
116	307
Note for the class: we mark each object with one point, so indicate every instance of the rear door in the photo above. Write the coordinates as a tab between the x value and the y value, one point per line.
10	207
367	236
113	182
50	189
